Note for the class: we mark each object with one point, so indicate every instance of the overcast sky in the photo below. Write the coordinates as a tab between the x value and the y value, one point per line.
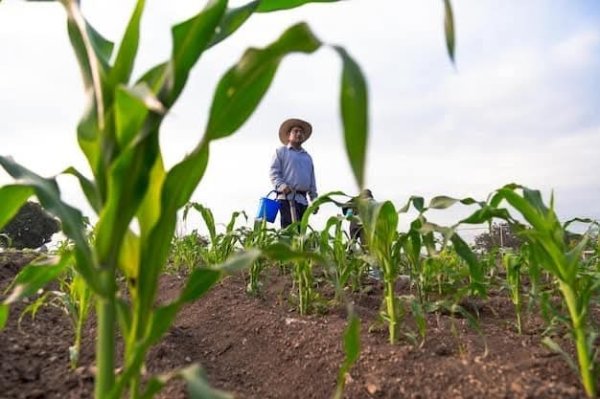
522	104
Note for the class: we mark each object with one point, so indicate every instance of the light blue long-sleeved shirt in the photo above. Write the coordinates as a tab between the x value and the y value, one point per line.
294	169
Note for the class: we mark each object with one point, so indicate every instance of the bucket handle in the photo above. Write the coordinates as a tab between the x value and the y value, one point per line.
271	192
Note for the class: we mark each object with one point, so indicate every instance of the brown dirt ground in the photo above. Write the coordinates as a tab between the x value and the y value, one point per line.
261	348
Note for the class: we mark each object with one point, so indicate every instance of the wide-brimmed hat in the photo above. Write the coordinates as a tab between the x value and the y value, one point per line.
287	125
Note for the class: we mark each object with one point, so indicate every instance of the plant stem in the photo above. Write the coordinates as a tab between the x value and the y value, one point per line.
105	346
586	367
390	300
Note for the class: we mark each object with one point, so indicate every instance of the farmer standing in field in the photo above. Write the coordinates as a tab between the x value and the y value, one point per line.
292	171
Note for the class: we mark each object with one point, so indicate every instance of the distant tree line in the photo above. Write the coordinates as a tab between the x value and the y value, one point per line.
500	235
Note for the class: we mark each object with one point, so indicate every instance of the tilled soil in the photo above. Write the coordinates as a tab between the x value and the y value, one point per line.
259	347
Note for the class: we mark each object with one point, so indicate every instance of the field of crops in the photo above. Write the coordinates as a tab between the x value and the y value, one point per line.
316	306
124	306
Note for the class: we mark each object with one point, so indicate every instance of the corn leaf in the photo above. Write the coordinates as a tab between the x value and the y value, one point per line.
355	114
126	55
444	202
93	53
30	279
73	225
351	351
241	89
88	187
198	386
190	39
449	29
417	202
476	272
232	20
239	262
276	5
149	211
12	197
3	315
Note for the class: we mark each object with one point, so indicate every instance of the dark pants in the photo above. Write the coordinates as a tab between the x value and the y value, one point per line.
286	214
357	232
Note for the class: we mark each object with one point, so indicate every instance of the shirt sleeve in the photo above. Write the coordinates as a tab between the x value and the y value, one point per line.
312	193
276	174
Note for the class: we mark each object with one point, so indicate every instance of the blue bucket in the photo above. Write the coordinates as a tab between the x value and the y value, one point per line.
267	208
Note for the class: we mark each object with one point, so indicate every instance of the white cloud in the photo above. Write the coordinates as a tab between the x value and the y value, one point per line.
578	50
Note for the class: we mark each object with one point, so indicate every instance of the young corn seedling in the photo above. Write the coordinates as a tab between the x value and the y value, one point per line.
186	251
380	224
512	264
336	247
119	136
260	237
220	246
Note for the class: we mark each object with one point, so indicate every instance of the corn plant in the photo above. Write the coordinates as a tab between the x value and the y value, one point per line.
75	298
380	223
546	237
185	252
119	136
220	246
335	247
512	264
260	237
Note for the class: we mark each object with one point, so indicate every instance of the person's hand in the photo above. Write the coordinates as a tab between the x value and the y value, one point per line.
285	189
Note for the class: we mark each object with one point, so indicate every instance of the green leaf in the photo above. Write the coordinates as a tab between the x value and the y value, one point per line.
351	351
355	114
449	29
125	60
178	186
418	203
232	20
149	211
35	276
283	253
322	199
12	197
88	187
443	202
199	282
93	53
131	110
128	181
73	224
198	387
555	347
3	315
486	214
276	5
239	262
190	39
208	218
155	78
476	273
241	89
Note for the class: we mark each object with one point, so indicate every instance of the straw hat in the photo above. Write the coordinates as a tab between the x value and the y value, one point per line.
287	125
